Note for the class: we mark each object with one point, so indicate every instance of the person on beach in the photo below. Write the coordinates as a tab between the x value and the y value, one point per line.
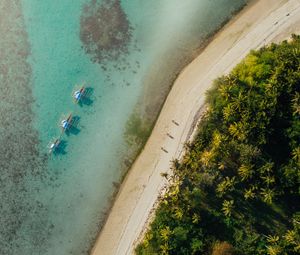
163	149
172	137
175	122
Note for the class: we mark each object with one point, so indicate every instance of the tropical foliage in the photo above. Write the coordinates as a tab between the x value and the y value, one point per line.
236	191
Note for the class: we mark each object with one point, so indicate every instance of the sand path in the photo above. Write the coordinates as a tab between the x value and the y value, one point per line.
262	22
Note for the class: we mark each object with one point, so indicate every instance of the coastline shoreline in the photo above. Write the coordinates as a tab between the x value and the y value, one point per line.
250	28
129	159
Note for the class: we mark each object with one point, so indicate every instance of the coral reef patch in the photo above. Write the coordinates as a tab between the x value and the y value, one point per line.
105	30
24	226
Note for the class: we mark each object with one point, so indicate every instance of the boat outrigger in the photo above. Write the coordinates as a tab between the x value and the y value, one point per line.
67	123
53	147
79	94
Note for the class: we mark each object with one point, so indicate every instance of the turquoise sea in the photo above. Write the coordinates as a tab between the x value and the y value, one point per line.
127	52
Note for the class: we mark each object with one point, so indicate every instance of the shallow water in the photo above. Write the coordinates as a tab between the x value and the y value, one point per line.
53	204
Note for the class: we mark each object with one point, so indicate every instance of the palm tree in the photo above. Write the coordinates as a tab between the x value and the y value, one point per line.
216	140
148	237
206	157
226	185
178	213
239	100
274	250
237	131
296	155
296	104
227	207
245	171
221	166
266	168
250	193
268	195
228	111
248	153
224	90
195	218
196	245
268	179
272	239
290	237
165	233
234	129
174	189
164	248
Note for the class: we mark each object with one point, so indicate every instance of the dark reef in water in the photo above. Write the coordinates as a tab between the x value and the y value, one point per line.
105	30
23	221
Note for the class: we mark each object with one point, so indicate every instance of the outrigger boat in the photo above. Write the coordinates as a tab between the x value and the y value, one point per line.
54	145
67	123
79	94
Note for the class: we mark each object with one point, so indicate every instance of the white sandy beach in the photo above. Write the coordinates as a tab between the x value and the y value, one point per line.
262	22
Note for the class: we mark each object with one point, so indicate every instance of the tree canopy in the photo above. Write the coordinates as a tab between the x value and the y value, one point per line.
236	190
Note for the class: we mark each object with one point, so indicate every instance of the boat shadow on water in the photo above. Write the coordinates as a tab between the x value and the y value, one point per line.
61	148
87	97
73	129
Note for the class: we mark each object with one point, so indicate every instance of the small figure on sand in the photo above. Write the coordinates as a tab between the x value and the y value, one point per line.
169	135
163	149
175	122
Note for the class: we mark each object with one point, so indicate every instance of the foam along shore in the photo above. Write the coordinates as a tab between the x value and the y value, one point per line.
260	23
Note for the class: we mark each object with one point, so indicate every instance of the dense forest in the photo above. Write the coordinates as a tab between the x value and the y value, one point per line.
236	190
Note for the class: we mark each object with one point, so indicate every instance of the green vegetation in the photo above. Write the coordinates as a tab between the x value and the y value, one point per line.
137	130
236	191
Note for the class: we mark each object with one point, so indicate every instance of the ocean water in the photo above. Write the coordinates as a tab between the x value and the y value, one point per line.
127	52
